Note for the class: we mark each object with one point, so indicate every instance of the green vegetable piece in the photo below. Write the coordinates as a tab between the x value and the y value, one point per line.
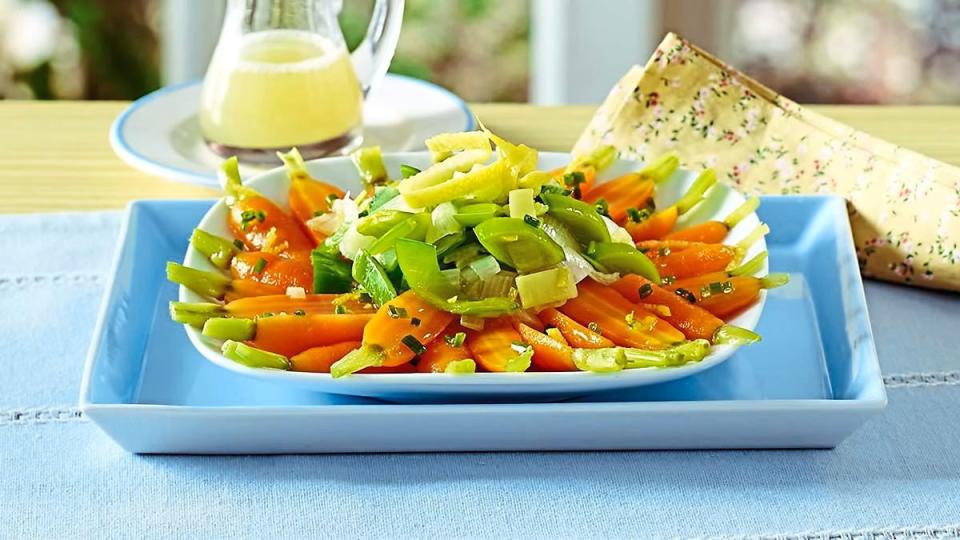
464	255
382	196
368	272
772	281
750	267
369	163
330	273
622	258
226	328
697	191
678	355
521	362
406	171
209	284
195	314
378	223
521	203
599	360
661	168
461	367
219	250
580	218
253	357
450	242
472	215
414	227
357	359
734	335
518	245
550	286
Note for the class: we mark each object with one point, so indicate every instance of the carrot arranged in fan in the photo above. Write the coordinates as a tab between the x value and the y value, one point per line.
576	334
496	347
308	196
292	334
548	353
443	350
281	303
661	223
715	231
319	359
272	270
256	220
694	261
724	295
695	322
673	245
403	323
633	190
247	288
606	311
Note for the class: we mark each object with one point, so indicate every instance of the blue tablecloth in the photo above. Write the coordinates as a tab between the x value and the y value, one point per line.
60	477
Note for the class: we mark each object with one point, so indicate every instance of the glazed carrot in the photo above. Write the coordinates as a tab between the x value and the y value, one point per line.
272	270
281	303
715	231
616	318
695	322
498	347
576	334
292	334
694	261
256	220
247	288
404	324
725	295
631	190
319	359
656	226
548	354
581	173
673	245
308	196
441	351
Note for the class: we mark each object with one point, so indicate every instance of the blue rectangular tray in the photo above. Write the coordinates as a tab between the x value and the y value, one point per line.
812	381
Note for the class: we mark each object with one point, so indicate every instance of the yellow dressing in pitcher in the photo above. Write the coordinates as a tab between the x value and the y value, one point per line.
287	88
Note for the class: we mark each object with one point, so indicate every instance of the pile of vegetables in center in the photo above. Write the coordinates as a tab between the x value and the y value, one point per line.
479	262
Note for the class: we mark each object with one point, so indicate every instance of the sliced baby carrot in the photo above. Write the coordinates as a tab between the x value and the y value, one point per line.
319	359
576	334
496	347
272	270
292	334
548	353
403	327
654	227
715	231
246	288
310	198
281	303
672	245
618	319
695	322
443	350
694	261
631	190
725	295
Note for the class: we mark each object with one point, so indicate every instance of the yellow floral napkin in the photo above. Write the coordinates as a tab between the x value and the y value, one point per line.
904	207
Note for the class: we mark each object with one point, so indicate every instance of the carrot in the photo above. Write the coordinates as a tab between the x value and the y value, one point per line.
247	288
493	347
694	261
272	270
695	322
673	245
394	330
618	319
310	198
715	231
654	227
292	334
319	359
631	190
576	334
281	303
440	352
724	295
548	353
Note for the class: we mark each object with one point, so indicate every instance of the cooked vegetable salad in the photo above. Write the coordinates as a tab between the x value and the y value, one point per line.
480	262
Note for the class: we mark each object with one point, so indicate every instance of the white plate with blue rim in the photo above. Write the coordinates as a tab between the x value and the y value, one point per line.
426	387
159	133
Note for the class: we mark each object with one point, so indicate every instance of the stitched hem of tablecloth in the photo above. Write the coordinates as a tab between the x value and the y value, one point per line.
40	415
75	278
933	378
892	533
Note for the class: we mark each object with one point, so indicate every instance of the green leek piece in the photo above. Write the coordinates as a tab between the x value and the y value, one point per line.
471	215
330	273
378	223
406	171
678	355
446	144
253	357
443	222
368	272
772	281
218	250
518	244
748	207
483	184
357	359
485	267
209	284
551	286
414	227
450	242
521	203
622	258
534	180
369	163
461	367
734	335
580	218
599	360
381	196
463	255
227	328
521	362
443	171
195	314
697	191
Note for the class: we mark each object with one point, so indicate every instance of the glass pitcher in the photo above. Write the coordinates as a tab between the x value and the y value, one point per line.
281	76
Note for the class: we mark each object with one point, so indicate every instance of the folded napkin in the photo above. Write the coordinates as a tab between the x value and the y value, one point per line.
904	207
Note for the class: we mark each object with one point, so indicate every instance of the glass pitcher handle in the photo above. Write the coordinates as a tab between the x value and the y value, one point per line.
372	57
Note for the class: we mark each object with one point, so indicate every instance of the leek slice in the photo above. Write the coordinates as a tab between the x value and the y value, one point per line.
547	287
444	145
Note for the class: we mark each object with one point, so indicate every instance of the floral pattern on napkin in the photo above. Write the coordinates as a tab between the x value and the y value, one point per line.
904	207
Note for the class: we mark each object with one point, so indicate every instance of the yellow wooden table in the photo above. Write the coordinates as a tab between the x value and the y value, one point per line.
56	156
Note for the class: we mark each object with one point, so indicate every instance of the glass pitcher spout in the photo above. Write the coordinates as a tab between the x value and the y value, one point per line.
281	76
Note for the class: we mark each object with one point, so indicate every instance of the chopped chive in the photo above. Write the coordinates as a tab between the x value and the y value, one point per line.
318	213
603	208
265	315
340	310
645	290
396	313
261	264
664	251
574	178
300	312
249	215
239	244
332	197
413	344
406	171
594	327
415	321
456	340
717	287
530	220
638	215
630	319
551	188
686	295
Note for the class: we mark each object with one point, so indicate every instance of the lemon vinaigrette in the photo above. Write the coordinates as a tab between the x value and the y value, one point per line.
282	88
